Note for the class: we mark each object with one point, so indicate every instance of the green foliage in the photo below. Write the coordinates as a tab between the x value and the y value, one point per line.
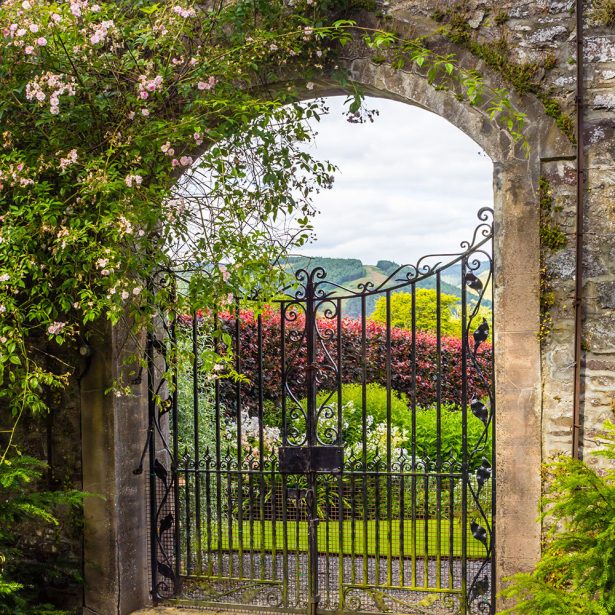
23	512
501	18
426	423
576	574
523	77
442	72
552	238
603	12
426	311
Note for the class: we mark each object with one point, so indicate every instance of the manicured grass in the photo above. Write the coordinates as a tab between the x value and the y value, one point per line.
357	537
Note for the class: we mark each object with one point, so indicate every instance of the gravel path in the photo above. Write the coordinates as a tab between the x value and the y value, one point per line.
268	582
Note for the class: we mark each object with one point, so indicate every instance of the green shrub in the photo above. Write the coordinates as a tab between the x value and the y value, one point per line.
24	578
576	574
401	418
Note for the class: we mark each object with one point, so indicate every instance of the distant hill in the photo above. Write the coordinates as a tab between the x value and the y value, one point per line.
350	272
339	270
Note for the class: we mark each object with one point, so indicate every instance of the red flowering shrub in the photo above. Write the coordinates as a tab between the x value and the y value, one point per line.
411	368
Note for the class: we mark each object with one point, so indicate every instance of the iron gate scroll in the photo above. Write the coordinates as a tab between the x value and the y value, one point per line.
350	470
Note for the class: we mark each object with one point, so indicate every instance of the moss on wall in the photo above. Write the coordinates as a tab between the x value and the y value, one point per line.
525	78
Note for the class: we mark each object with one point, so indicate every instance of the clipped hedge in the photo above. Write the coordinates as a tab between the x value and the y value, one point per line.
406	376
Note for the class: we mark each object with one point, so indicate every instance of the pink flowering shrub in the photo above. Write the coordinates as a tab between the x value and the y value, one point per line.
104	106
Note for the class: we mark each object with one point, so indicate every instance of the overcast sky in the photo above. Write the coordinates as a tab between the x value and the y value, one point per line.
409	184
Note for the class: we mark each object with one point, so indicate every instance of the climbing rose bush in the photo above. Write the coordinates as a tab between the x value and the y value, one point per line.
134	138
131	142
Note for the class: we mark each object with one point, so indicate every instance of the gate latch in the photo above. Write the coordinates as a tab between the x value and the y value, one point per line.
305	459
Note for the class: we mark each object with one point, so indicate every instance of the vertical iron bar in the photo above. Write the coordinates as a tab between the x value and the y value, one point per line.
426	530
312	441
340	546
464	438
297	542
493	441
451	533
196	436
261	443
285	595
239	433
364	435
402	522
413	436
151	410
189	562
251	492
283	309
208	510
438	430
340	425
340	401
175	466
274	522
353	527
218	452
229	499
389	450
284	477
377	518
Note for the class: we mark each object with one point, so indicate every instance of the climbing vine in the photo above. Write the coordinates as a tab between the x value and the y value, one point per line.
105	108
524	77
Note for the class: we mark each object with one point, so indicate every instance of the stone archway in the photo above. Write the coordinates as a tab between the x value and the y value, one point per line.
114	429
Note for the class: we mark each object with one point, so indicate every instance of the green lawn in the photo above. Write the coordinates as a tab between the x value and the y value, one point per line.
354	537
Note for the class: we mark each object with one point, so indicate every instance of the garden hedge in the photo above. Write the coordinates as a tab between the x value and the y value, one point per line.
374	350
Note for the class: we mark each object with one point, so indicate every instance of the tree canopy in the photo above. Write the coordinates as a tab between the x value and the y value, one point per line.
426	309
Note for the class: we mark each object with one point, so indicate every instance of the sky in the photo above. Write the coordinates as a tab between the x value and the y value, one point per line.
408	184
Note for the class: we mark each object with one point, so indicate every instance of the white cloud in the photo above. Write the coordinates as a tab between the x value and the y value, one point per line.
409	184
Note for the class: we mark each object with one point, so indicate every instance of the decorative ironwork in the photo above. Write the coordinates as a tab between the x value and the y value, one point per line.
261	497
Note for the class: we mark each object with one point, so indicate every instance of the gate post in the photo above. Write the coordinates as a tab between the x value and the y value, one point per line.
517	365
114	430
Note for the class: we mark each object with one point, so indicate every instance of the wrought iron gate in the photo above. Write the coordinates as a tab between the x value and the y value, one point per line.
350	469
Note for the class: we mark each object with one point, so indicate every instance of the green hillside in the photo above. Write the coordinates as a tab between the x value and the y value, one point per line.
351	272
339	270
